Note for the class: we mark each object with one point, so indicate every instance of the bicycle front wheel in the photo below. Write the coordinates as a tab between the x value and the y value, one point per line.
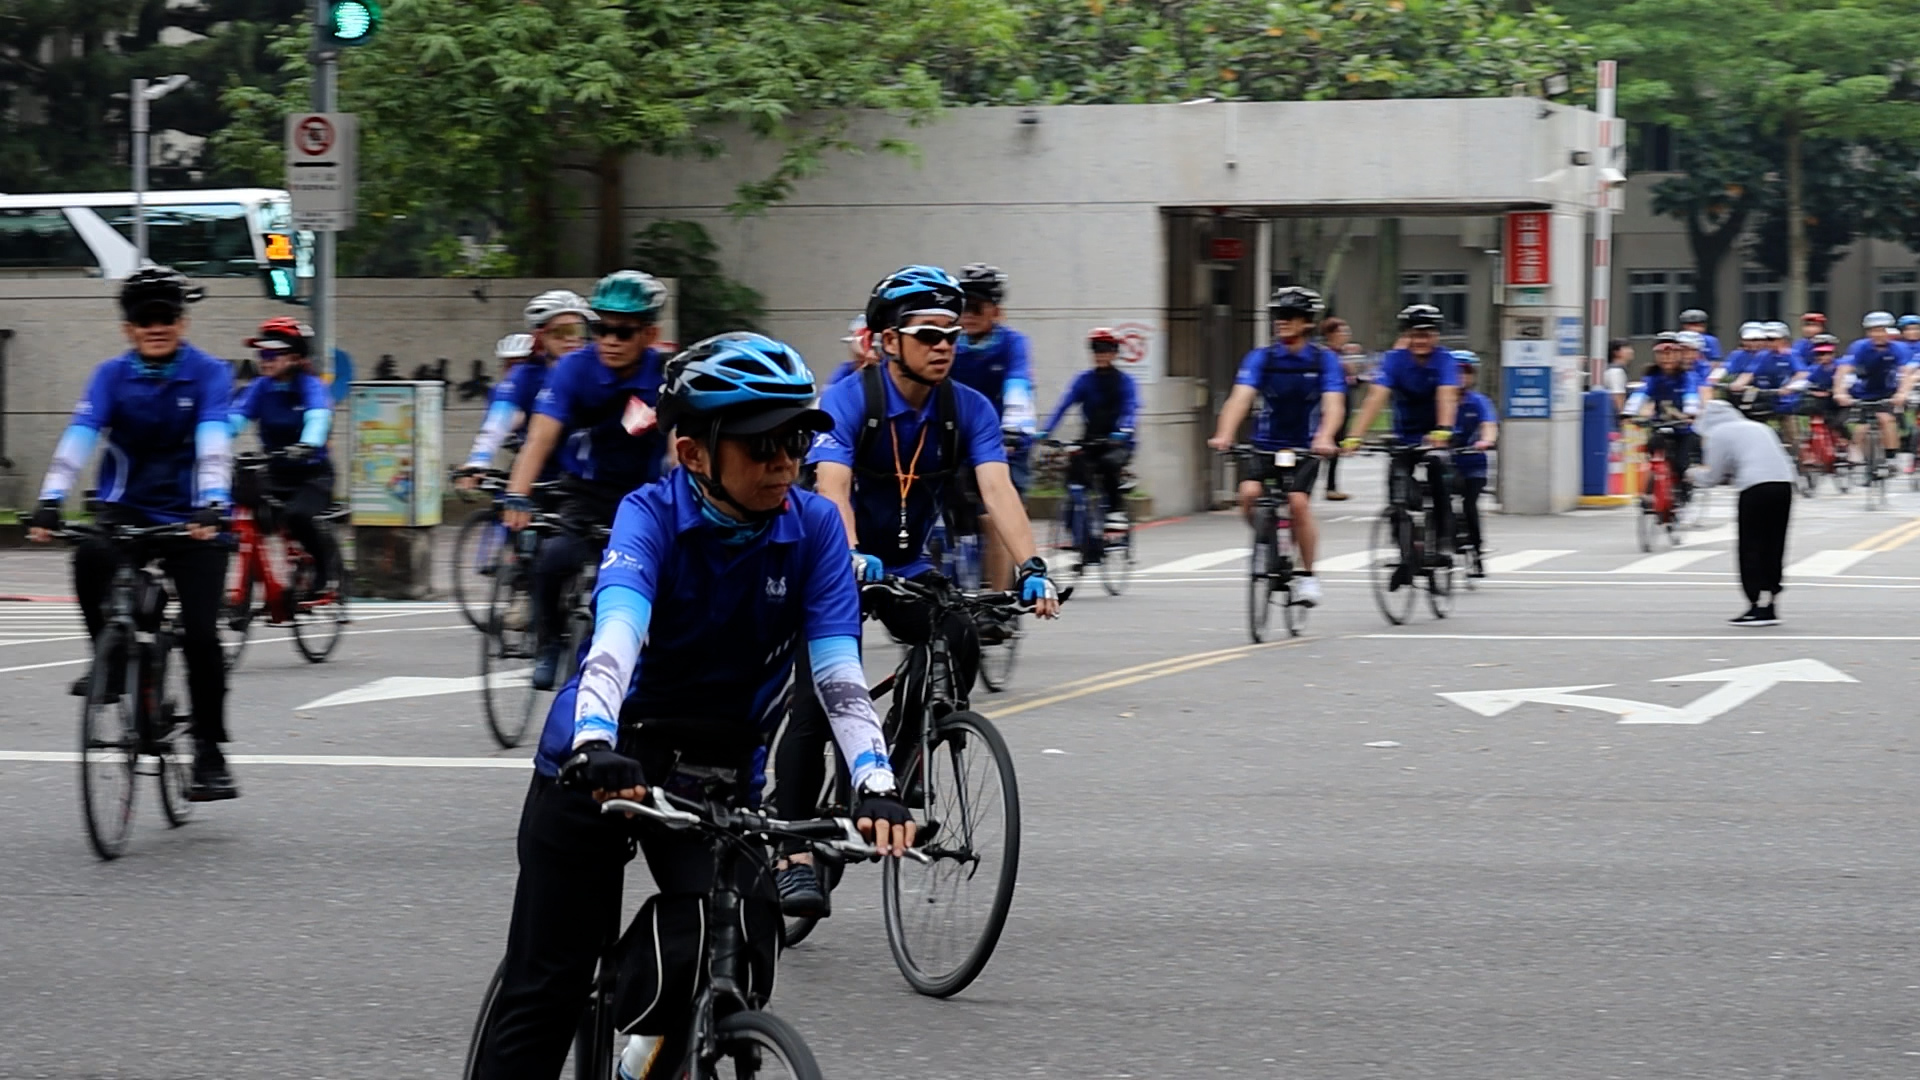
318	623
477	555
243	597
760	1045
1394	565
1440	577
1116	561
1874	457
507	651
944	917
1259	592
484	1022
109	745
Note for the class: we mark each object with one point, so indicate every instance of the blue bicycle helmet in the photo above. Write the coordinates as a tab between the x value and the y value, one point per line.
1909	320
913	290
1466	358
744	383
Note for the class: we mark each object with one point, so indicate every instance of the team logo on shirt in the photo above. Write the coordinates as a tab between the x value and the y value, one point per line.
185	402
639	417
619	558
777	588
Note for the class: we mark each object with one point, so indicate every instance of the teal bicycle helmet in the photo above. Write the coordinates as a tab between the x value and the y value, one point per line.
629	292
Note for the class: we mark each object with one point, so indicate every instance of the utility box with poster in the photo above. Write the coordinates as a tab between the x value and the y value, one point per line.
394	485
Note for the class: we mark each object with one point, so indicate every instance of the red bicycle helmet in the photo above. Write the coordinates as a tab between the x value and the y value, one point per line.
283	333
1103	335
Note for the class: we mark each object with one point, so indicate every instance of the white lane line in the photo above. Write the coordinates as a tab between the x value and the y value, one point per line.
1708	536
1198	562
341	761
264	641
1352	560
1666	562
1827	563
1520	560
1642	637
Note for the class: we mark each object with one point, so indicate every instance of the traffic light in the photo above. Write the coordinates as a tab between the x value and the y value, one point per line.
349	22
281	272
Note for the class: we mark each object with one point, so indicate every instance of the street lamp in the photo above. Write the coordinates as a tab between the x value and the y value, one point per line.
143	94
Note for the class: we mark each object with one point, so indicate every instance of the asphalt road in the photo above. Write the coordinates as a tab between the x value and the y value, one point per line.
1297	860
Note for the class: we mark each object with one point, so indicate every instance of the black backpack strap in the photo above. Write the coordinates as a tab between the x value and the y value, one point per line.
945	413
875	413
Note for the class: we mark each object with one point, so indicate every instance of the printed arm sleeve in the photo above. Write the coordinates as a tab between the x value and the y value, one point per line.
622	605
213	438
1016	396
493	431
69	457
1067	401
833	645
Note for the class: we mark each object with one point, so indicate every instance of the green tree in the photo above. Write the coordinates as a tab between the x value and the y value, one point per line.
707	301
474	110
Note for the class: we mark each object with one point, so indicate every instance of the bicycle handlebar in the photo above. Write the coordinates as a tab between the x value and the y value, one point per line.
998	600
836	834
76	531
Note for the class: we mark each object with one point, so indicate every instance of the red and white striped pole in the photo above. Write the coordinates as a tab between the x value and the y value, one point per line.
1598	318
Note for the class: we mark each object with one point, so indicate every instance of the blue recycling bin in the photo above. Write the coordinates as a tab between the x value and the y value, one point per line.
1597	426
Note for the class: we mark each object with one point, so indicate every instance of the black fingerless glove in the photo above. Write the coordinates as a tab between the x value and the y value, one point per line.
596	766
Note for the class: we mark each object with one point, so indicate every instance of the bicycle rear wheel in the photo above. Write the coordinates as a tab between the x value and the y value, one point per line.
1439	578
507	652
1393	572
172	748
477	553
944	917
243	597
109	744
1873	460
318	623
1116	561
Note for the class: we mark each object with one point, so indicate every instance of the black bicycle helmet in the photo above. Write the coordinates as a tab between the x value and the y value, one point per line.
1421	317
153	287
1294	302
989	283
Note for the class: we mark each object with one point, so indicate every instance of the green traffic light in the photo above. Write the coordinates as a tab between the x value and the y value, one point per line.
351	22
280	282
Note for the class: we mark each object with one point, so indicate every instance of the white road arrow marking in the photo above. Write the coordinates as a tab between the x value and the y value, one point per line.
410	686
1742	685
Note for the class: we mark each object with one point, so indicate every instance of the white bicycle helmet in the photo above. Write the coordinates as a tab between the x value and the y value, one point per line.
1877	318
541	309
514	347
1752	331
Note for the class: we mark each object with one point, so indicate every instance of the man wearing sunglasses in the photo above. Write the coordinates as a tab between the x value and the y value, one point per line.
716	581
597	410
557	322
163	407
902	434
993	358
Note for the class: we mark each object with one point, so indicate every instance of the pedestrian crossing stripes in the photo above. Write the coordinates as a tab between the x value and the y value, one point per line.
1520	560
1865	563
1668	562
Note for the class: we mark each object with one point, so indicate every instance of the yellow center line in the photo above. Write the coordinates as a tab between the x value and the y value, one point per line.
1114	680
1891	538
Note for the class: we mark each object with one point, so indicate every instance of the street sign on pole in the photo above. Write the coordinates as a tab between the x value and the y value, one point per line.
322	169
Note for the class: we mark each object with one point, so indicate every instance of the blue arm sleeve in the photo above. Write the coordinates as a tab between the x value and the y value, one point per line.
69	457
493	431
314	425
1067	401
213	462
236	423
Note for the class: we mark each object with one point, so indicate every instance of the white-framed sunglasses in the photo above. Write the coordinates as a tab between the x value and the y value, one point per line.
931	336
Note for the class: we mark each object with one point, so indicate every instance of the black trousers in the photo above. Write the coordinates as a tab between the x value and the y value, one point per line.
799	759
1471	488
1439	486
1102	462
198	569
1762	521
582	506
305	499
566	905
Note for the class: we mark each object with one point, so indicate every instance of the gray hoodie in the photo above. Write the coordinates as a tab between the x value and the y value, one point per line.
1740	451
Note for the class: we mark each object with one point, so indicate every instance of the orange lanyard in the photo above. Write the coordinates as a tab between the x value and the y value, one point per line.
906	479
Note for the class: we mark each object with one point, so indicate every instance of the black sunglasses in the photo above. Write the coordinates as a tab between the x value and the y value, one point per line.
1105	347
622	331
764	448
931	336
148	319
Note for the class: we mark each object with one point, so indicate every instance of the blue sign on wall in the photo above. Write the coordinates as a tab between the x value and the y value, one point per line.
1566	333
1529	392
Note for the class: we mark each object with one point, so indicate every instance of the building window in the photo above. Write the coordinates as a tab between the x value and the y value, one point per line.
1900	291
1650	148
1760	296
1444	289
1657	298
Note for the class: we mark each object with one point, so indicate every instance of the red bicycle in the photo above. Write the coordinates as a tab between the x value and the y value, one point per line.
274	576
1661	503
1821	454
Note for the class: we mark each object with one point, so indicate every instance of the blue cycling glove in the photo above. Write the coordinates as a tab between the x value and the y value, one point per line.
867	568
516	503
1034	583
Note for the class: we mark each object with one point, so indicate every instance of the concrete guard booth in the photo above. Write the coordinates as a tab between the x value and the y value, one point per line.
1171	223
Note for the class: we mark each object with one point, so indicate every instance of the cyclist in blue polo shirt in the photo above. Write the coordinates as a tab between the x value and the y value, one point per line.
1423	381
163	407
597	411
1695	320
993	358
1877	368
1776	367
902	433
1670	393
556	325
1476	428
715	580
1812	325
1303	392
1107	399
295	413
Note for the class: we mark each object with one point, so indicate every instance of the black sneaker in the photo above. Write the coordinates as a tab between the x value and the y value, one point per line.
84	685
546	668
1475	567
212	781
1402	577
1755	616
801	896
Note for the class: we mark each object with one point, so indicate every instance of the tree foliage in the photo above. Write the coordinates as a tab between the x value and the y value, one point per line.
707	302
1134	51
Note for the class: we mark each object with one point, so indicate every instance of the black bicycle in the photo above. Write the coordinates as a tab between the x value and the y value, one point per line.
730	1033
132	723
943	916
510	640
481	546
1410	554
1863	418
1099	534
1270	569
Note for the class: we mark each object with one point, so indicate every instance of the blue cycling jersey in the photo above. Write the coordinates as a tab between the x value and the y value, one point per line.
1107	399
1877	368
169	447
910	434
1475	409
1673	395
298	410
1773	370
709	627
1290	382
999	366
612	436
1416	389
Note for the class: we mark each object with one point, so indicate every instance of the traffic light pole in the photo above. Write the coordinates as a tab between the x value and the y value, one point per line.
326	78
